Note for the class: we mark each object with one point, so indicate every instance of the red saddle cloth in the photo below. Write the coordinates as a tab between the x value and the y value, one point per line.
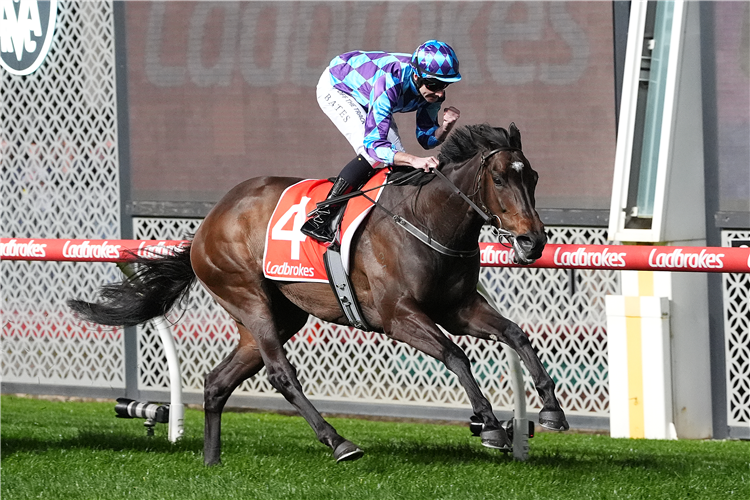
291	255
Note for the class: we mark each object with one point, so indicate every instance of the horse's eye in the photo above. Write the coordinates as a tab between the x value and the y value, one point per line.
498	180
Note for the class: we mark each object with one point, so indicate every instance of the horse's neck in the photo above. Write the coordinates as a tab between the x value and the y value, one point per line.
447	214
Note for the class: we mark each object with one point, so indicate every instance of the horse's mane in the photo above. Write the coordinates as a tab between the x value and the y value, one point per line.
465	142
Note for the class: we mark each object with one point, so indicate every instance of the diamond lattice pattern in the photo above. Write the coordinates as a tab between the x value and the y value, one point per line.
737	338
60	180
563	313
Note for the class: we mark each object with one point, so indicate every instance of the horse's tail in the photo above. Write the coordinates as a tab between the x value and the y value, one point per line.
149	292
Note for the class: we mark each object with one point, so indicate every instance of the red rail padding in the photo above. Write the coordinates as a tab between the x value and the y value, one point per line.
627	257
84	250
614	257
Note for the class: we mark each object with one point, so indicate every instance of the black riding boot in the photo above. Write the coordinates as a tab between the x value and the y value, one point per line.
323	225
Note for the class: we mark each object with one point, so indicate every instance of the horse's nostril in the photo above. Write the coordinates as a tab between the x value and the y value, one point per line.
529	247
525	242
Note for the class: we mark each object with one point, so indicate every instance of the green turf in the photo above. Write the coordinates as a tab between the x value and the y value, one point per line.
61	450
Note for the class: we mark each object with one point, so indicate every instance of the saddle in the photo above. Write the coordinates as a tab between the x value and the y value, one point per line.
289	255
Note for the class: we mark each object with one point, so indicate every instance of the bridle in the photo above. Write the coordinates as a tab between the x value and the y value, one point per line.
498	229
484	212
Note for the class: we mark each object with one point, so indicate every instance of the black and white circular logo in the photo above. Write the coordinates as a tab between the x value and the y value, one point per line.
26	29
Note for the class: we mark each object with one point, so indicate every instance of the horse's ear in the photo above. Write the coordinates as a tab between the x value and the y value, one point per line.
515	136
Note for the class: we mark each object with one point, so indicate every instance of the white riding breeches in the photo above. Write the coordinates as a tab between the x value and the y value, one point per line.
349	117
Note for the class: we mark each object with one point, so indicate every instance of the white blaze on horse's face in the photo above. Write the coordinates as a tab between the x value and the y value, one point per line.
517	166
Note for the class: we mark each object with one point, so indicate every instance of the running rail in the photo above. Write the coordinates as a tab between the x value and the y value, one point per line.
121	252
611	257
626	258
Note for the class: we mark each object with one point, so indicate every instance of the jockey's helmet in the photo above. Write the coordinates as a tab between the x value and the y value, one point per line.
435	59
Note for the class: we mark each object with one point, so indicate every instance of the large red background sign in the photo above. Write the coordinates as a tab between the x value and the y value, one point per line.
223	91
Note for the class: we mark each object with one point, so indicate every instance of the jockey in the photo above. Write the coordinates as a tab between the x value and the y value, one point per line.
359	92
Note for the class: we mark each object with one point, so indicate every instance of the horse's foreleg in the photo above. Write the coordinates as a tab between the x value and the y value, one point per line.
482	321
410	325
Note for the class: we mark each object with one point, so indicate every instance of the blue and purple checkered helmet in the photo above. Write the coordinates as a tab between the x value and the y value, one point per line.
434	59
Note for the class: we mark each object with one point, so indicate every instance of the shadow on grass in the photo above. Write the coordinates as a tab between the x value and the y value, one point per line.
100	441
418	453
560	460
385	454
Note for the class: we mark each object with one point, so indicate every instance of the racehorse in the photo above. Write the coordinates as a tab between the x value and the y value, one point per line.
405	287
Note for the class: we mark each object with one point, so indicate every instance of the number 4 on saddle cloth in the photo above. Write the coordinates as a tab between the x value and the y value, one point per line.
292	256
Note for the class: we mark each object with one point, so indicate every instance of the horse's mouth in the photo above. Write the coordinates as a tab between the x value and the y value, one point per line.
517	259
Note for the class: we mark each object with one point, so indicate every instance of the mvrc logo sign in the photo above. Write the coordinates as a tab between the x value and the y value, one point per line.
26	29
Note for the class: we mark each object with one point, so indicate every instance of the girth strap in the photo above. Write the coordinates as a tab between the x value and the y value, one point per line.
343	290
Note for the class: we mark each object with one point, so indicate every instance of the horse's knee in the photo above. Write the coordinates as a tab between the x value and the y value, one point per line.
515	337
455	357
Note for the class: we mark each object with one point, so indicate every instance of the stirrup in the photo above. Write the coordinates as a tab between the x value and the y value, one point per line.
317	229
317	212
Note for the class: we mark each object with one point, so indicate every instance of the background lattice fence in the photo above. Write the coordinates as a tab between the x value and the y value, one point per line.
737	338
60	179
563	313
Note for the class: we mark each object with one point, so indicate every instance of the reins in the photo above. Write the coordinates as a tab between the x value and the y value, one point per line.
484	212
422	236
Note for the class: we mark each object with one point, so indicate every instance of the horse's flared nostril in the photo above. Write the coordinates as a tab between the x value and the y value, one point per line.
525	243
529	248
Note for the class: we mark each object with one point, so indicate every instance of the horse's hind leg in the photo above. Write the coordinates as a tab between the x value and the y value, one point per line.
243	362
283	377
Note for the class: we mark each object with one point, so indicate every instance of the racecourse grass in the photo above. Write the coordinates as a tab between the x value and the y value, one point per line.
62	450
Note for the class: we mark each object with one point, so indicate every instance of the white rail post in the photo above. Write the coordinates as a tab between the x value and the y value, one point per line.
176	407
520	421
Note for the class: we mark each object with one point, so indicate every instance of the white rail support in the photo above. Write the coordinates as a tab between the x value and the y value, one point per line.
176	407
520	421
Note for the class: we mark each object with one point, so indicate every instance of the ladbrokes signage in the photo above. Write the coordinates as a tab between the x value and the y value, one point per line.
622	257
223	91
85	250
26	31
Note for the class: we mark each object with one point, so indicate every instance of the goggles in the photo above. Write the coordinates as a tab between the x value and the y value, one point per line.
433	85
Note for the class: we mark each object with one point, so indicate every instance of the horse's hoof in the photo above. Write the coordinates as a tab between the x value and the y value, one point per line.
553	420
211	456
496	439
347	451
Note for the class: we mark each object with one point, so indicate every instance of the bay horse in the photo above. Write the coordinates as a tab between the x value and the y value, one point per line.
405	287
